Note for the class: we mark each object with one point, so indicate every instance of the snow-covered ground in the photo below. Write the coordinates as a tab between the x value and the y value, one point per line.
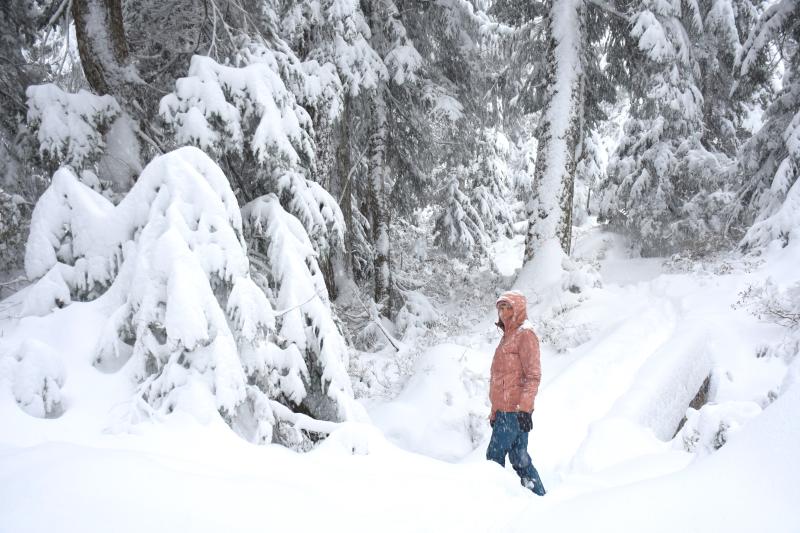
621	362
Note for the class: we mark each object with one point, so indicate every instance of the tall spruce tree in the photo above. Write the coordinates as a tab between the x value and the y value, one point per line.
666	183
769	163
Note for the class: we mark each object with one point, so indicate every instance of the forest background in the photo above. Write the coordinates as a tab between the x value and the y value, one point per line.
335	137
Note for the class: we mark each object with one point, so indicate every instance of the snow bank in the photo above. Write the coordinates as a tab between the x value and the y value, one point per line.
201	480
748	485
442	412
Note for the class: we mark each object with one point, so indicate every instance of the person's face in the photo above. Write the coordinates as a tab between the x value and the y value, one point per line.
505	312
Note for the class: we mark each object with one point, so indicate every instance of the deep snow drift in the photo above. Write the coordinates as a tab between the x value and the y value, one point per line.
624	353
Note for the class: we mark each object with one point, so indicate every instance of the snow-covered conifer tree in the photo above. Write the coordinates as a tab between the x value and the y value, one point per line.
417	102
30	39
170	265
588	173
490	192
555	74
725	26
665	186
333	37
769	163
477	201
459	228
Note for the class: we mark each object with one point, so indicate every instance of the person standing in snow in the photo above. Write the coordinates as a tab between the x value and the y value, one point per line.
515	376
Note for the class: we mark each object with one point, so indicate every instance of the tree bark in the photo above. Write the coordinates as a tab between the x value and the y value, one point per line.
379	216
102	45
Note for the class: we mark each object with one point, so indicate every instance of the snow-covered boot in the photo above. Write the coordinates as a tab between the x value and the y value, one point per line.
534	486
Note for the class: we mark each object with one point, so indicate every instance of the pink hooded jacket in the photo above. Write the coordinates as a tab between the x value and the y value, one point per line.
516	368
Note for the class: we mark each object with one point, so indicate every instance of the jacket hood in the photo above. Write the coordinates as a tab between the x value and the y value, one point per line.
519	304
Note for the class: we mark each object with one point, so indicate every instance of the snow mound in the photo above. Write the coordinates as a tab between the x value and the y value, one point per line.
442	411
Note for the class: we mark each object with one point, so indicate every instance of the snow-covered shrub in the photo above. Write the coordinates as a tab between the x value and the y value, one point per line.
48	293
69	127
446	396
558	330
708	429
171	264
769	301
73	231
580	276
778	304
35	375
416	315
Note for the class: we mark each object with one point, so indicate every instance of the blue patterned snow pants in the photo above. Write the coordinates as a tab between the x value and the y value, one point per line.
507	438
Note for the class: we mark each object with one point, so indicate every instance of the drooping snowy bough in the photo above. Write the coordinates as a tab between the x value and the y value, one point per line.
285	266
69	127
171	265
247	114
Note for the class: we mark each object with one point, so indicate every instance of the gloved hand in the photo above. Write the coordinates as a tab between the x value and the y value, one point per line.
525	422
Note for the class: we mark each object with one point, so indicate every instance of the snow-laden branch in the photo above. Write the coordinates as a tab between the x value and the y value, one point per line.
68	126
608	8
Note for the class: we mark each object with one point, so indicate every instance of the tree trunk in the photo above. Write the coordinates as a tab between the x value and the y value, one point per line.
102	45
560	130
328	174
344	170
379	216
